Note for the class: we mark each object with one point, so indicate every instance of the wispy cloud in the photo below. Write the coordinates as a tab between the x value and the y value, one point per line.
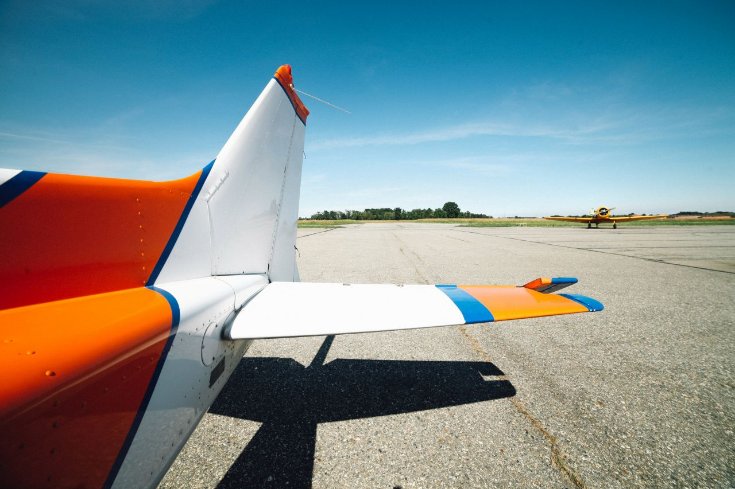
606	112
100	154
464	131
124	117
30	137
20	137
431	135
592	126
477	165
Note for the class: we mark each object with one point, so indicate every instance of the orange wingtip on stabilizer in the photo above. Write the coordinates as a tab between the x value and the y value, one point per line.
539	282
285	78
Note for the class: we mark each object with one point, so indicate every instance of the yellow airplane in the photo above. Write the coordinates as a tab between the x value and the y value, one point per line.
604	215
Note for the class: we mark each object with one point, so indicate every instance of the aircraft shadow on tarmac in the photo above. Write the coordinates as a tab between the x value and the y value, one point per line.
290	400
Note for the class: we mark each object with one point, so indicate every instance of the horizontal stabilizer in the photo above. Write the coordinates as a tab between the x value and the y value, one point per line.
570	219
285	309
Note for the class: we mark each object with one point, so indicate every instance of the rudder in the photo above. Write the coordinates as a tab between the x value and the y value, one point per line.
244	221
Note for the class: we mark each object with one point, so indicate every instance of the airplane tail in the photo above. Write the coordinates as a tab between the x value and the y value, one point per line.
244	220
236	216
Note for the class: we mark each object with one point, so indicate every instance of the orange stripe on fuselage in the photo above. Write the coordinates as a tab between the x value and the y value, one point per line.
511	302
69	236
74	375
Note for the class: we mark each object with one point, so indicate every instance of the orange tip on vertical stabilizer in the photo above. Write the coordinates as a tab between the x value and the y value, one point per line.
285	79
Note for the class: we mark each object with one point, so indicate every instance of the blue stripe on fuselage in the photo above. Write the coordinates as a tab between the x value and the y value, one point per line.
179	225
18	184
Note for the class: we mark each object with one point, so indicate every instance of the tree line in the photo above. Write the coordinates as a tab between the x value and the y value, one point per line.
704	214
449	210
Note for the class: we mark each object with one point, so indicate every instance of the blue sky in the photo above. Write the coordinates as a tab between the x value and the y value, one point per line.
506	108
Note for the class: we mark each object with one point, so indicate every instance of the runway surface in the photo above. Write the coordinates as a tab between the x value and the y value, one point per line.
641	394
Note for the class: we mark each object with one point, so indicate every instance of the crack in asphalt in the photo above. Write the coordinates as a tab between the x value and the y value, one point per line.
559	459
654	260
317	232
414	258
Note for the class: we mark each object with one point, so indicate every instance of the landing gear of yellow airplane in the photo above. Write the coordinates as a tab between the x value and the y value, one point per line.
589	225
615	225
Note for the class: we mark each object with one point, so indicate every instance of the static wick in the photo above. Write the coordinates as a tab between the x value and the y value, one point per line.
320	100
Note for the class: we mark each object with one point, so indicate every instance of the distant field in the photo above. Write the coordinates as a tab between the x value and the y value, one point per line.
327	224
544	223
531	222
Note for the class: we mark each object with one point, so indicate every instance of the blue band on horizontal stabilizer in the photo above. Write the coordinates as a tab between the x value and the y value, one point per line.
587	302
564	280
472	309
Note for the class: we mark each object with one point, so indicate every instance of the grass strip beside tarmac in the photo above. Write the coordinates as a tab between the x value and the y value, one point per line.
521	222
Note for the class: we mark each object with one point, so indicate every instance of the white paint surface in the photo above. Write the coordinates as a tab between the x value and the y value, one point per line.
244	219
6	174
285	309
183	392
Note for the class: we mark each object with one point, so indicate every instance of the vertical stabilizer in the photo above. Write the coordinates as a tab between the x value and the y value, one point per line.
251	196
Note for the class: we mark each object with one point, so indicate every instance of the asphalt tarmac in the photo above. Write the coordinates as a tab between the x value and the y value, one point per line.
641	394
